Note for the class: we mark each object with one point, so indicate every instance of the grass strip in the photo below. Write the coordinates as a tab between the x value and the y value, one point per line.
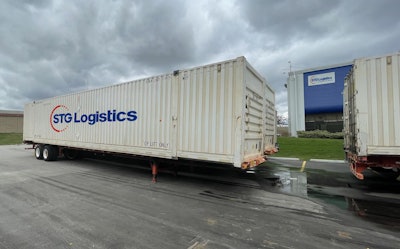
310	148
10	138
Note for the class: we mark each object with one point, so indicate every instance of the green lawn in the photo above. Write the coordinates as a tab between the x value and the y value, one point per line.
310	148
10	138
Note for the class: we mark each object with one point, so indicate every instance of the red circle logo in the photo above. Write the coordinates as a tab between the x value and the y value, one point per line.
57	124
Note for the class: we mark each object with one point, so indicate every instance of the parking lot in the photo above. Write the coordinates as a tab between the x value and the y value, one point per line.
92	203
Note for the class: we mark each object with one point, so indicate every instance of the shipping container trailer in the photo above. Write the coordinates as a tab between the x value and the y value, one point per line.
372	114
222	112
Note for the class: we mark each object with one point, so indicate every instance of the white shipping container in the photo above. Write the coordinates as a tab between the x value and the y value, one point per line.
223	112
372	106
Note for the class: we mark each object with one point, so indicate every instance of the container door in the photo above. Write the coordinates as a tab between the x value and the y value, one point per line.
253	128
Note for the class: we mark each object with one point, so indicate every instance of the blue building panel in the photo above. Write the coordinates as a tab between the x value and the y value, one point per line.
323	90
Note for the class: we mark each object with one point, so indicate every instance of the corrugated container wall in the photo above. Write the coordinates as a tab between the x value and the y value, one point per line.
150	98
372	106
223	112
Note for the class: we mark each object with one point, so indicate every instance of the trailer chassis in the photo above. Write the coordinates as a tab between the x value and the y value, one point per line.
360	163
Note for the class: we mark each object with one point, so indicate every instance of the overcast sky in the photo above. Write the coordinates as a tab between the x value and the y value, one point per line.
49	48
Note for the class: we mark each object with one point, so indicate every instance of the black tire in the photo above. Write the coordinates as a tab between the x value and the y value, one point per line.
50	153
39	152
71	154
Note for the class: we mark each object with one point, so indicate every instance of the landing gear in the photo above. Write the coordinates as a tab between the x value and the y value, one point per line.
154	170
71	154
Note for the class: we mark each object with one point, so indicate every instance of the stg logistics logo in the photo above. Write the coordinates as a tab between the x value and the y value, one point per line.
321	79
61	117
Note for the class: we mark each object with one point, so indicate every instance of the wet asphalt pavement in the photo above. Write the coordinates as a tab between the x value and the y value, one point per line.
375	199
112	203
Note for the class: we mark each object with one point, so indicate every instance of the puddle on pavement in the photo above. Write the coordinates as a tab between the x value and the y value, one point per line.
376	200
284	180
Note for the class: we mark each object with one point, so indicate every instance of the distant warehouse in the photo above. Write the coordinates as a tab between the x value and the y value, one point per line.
315	98
11	121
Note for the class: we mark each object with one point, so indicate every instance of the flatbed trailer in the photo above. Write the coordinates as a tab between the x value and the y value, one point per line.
222	113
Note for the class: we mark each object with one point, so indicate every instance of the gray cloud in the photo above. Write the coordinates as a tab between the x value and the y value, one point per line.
287	21
57	47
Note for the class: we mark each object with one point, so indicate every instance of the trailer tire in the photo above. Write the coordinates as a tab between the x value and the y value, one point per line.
39	152
49	153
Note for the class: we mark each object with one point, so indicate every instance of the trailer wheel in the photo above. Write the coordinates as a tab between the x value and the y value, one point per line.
49	153
39	152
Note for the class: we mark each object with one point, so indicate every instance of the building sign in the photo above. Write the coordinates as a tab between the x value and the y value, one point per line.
321	79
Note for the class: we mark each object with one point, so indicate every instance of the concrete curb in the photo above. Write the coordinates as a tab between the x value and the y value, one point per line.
327	161
285	158
311	160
